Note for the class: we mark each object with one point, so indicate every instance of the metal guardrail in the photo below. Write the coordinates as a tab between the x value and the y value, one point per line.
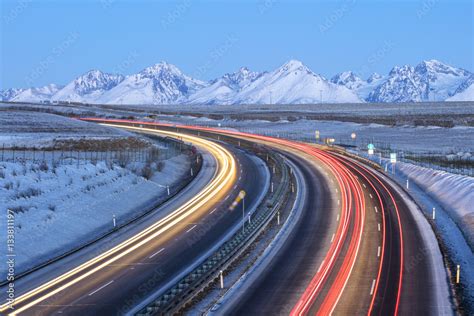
179	295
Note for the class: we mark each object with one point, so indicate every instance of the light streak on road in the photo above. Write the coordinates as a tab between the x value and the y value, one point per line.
220	185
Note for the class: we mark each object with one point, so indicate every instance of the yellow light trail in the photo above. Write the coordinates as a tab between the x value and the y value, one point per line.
221	183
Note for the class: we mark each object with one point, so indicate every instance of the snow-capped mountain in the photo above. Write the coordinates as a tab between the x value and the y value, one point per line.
224	89
9	94
33	94
348	79
441	80
353	82
88	87
402	85
465	92
293	83
162	83
428	81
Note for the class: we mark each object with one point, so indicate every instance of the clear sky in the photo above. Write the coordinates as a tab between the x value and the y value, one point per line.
54	41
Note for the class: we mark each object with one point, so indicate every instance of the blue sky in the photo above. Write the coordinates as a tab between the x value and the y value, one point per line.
54	41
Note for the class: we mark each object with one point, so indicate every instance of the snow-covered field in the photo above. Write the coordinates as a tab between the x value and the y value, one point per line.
60	204
57	208
39	130
407	138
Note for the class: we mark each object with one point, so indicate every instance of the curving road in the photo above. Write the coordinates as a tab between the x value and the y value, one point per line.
359	247
122	277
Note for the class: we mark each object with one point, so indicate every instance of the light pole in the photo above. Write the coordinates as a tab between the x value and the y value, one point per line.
243	214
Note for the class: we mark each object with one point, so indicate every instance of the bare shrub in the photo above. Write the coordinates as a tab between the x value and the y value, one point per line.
43	166
28	193
147	172
19	209
160	165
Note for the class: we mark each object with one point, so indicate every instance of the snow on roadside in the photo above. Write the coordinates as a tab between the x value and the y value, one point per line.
57	208
454	192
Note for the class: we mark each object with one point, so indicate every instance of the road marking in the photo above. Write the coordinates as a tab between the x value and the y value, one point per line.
332	238
364	185
213	210
378	226
337	218
235	186
372	288
371	196
337	191
240	178
376	211
100	288
338	202
191	228
159	251
226	198
378	252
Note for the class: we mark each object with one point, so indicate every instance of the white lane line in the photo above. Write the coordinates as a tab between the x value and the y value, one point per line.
191	228
376	211
240	178
378	252
240	171
337	191
332	180
371	196
378	226
213	210
320	266
372	288
235	186
364	185
332	238
338	202
337	219
159	251
100	288
226	198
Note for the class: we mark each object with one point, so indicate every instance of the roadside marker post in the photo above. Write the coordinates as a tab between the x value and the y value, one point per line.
113	219
222	278
434	213
458	272
168	189
408	185
278	218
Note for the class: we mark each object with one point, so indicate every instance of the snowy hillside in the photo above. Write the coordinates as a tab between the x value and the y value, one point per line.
34	94
292	83
88	87
224	89
465	92
162	83
361	87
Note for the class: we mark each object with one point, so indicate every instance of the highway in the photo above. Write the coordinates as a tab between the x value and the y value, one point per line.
358	247
122	277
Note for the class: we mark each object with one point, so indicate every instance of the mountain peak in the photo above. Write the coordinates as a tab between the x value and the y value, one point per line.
161	67
294	65
373	77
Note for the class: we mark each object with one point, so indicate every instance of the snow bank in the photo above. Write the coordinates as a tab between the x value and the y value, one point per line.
454	192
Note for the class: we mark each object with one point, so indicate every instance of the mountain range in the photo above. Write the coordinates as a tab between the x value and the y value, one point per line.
291	83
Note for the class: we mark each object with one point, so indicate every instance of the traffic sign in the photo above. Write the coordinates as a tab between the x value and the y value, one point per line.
393	157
